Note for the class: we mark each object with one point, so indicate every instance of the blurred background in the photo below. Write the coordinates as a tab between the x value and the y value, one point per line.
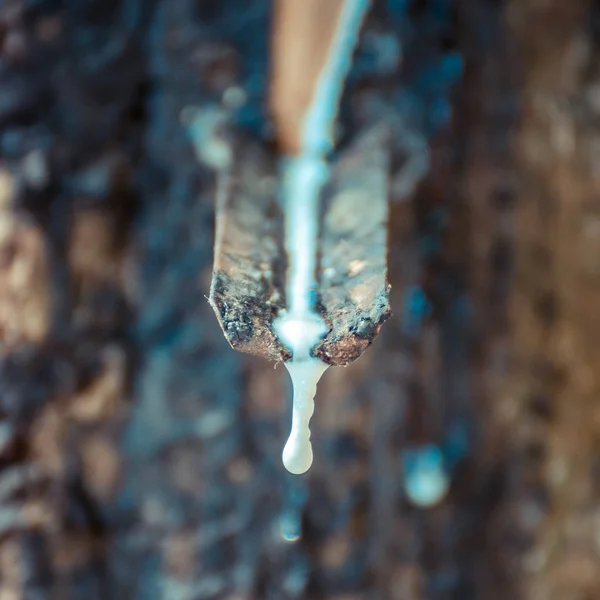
457	459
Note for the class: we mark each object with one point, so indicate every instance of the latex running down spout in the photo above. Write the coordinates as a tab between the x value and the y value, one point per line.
299	327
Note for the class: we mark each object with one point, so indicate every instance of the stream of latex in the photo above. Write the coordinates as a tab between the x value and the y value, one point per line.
300	328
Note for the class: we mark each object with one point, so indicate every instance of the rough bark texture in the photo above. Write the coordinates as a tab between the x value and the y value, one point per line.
247	291
552	398
140	455
353	290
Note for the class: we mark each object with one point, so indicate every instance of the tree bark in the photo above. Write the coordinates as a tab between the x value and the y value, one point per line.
140	455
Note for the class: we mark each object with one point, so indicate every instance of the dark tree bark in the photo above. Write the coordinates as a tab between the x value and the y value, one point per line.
140	455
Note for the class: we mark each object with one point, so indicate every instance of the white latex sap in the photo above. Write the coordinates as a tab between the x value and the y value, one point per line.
301	331
297	453
300	328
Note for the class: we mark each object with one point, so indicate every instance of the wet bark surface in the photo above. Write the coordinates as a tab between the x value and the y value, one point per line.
140	455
